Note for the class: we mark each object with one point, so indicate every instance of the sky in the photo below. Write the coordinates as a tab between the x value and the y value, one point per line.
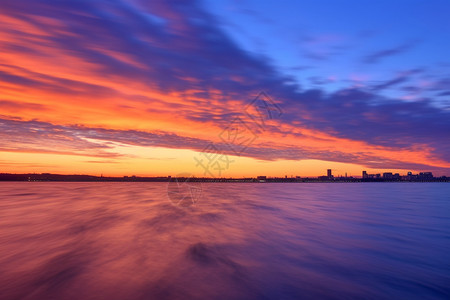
224	88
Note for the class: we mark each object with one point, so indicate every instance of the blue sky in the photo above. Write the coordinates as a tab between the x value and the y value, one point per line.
334	44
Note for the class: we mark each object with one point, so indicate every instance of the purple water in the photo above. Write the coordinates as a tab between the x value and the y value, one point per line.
239	241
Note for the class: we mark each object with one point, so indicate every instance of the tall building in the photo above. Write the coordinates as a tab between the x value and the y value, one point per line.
364	174
388	175
425	175
329	175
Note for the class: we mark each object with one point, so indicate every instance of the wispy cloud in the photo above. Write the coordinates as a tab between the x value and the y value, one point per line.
385	53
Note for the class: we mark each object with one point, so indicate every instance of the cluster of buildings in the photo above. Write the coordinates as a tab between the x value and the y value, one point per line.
329	177
387	176
396	176
380	177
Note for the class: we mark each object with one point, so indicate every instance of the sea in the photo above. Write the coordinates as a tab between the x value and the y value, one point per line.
157	240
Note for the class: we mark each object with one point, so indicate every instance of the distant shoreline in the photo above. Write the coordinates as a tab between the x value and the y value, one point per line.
47	177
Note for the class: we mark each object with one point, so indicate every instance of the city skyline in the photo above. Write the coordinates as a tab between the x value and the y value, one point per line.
390	176
212	88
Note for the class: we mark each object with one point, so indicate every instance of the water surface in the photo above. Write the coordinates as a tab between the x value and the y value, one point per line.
239	241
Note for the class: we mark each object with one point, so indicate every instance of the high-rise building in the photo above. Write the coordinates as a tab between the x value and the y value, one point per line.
425	175
364	174
329	175
388	175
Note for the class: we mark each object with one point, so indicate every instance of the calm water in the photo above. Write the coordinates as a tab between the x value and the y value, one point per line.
239	241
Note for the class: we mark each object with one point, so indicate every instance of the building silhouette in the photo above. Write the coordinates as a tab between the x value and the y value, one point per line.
388	175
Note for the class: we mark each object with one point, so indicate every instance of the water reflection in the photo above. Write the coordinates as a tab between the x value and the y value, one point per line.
241	241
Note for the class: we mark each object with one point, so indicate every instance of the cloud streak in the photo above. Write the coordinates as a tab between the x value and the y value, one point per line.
164	73
377	56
